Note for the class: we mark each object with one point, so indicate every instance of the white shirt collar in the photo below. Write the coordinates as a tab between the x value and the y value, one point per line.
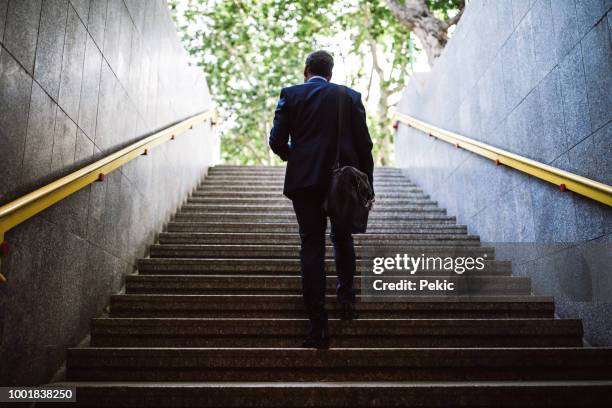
317	76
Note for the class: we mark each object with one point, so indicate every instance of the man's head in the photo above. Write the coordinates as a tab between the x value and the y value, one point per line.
319	63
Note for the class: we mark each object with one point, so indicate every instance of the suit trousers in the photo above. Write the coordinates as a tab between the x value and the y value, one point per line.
312	222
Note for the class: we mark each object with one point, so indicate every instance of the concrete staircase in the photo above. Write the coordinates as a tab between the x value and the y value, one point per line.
214	318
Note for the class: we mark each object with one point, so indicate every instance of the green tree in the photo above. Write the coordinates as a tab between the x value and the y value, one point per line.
239	44
249	49
382	44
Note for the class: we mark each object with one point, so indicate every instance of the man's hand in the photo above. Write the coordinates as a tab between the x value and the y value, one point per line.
370	203
279	134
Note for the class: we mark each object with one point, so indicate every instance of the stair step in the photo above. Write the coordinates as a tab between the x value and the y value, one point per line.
275	173
282	284
280	180
219	173
187	266
292	306
288	209
248	185
286	227
281	172
405	240
288	217
215	316
205	188
373	364
292	251
228	168
278	194
479	394
283	333
282	200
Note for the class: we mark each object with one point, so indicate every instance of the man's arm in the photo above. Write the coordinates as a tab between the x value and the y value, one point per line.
279	135
361	137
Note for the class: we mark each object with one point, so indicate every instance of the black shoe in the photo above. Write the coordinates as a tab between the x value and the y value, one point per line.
348	311
321	343
320	340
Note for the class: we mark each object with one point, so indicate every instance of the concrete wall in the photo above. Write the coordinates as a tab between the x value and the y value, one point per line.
532	77
78	80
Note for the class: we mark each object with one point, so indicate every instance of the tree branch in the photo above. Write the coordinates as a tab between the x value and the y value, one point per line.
455	19
367	98
417	17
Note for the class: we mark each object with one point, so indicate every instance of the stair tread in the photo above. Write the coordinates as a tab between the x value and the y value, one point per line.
216	309
295	246
370	357
568	326
497	299
358	322
329	384
528	393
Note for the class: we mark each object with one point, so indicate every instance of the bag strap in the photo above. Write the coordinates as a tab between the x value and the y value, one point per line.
341	97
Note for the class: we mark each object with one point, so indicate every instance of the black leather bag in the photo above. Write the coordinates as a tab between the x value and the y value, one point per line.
349	198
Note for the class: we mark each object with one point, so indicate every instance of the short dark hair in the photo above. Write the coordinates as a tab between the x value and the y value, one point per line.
320	63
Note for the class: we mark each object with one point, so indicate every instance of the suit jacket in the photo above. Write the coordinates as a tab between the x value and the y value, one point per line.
308	115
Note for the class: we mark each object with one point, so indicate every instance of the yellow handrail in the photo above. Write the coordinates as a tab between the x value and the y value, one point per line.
564	179
23	208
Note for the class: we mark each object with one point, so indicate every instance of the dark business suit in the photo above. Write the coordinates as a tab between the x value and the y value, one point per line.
308	115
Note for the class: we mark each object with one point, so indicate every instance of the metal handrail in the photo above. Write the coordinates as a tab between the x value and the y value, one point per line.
565	180
23	208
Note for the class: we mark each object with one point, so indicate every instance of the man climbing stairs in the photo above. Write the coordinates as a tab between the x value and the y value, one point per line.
214	318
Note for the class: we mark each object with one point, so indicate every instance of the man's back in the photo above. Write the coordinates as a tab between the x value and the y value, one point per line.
308	114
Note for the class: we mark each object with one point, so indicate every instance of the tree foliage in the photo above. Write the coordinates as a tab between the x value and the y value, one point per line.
250	49
382	43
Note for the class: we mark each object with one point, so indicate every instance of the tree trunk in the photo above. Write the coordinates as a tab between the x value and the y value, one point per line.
431	31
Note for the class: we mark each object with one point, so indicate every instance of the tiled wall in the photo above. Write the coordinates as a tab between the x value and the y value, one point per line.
80	79
532	77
